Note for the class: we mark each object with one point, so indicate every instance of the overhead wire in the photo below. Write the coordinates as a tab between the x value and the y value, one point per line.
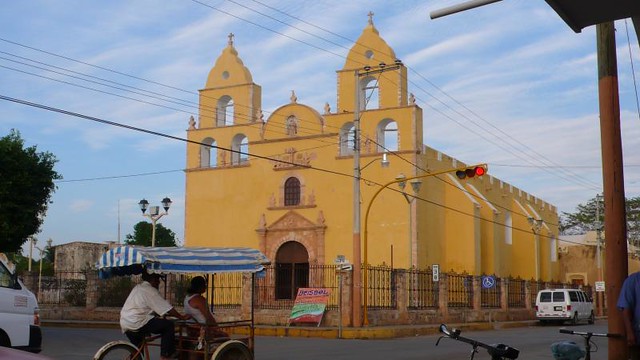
200	2
576	178
204	95
156	133
570	177
140	92
633	72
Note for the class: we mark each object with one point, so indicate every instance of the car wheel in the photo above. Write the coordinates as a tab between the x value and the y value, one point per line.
574	320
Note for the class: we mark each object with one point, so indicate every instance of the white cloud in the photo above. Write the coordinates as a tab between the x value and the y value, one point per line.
80	205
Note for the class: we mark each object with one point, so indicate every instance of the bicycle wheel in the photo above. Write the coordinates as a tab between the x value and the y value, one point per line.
232	350
118	350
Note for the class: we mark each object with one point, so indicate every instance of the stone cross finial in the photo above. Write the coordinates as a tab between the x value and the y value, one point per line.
370	14
293	98
230	42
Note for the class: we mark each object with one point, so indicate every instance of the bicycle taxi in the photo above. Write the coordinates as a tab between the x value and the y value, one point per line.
132	260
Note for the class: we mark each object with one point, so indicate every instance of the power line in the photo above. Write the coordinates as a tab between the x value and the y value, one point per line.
130	127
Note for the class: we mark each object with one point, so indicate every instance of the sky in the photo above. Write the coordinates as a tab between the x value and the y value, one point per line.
508	84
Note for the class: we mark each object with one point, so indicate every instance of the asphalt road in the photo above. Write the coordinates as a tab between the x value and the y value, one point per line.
533	342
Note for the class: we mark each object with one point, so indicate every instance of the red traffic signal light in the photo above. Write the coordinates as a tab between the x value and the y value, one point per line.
471	172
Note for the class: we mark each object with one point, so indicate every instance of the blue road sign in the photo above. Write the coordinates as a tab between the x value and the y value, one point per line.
488	282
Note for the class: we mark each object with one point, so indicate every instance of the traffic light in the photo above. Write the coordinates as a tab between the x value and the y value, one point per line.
471	172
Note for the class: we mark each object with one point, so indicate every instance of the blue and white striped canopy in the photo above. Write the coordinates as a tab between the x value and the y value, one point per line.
131	260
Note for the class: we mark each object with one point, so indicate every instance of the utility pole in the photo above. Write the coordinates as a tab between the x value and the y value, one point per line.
613	182
599	252
357	257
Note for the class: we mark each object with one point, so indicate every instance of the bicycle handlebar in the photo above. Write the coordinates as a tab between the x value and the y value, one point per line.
589	334
497	351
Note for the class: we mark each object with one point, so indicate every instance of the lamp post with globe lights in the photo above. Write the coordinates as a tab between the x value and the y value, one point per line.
154	214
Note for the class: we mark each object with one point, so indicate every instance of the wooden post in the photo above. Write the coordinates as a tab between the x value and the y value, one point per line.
613	181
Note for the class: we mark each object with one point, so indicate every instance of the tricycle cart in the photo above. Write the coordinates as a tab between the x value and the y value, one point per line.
133	260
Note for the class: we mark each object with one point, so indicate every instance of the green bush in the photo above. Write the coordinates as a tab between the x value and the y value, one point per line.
75	292
114	292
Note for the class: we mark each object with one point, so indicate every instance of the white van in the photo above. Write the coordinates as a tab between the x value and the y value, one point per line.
19	318
564	305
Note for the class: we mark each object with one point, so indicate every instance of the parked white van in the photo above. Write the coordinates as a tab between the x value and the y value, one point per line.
19	318
564	305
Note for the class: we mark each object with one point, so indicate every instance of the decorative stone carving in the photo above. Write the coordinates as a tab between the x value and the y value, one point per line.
321	219
192	123
294	98
412	99
327	108
292	158
292	126
292	226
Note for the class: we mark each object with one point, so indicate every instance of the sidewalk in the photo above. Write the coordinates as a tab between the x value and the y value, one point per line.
372	332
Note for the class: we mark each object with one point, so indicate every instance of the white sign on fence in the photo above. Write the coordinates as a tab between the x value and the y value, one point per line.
600	286
435	269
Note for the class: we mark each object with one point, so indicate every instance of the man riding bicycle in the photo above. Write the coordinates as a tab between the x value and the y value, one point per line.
143	313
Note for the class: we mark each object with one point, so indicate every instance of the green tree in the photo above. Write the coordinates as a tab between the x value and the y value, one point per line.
584	219
142	235
26	185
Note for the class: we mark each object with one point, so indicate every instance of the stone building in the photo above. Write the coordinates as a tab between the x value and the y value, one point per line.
73	258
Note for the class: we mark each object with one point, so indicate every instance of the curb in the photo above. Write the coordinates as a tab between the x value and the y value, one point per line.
374	332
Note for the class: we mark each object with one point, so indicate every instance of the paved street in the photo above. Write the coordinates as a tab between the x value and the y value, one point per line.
533	342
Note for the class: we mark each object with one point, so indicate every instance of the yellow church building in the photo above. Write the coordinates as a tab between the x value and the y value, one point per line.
284	183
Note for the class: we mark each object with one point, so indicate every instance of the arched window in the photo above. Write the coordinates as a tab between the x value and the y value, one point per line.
292	192
225	111
240	147
347	139
554	248
292	270
368	93
387	135
292	126
508	229
208	153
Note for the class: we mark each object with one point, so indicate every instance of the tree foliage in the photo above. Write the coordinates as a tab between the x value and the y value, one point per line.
584	219
26	185
142	235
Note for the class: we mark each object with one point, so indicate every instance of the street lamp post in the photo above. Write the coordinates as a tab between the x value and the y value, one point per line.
40	273
399	179
415	186
154	214
536	225
357	260
32	243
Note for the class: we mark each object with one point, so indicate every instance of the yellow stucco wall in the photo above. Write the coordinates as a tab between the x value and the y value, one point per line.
457	224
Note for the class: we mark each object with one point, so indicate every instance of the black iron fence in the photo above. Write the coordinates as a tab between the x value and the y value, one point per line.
418	288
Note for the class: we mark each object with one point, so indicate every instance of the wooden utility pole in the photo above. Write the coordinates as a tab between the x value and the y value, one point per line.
613	183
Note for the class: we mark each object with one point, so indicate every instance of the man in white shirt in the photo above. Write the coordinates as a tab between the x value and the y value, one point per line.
142	313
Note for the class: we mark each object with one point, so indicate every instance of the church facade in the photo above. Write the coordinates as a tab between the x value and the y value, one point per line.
284	182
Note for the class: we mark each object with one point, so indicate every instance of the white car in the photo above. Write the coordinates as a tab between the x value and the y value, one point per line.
564	305
19	317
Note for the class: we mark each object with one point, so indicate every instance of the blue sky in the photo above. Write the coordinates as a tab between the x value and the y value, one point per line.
508	84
